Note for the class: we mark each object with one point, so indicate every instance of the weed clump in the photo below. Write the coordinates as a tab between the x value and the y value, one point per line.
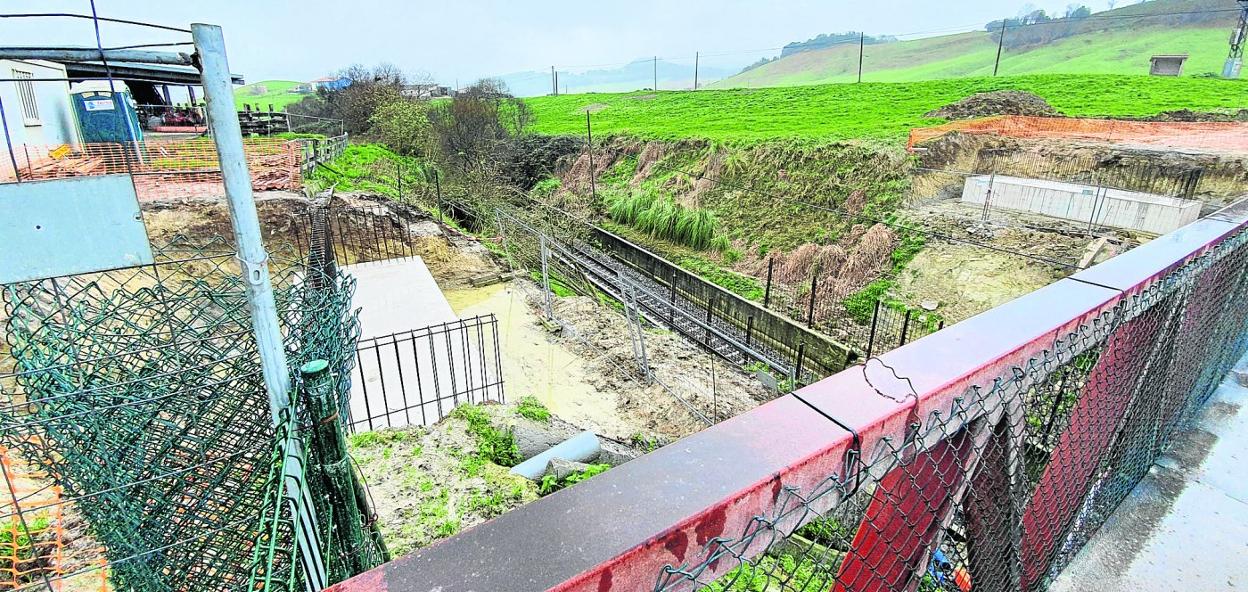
661	217
529	407
551	484
494	445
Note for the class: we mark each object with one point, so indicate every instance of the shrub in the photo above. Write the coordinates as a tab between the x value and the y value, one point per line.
403	125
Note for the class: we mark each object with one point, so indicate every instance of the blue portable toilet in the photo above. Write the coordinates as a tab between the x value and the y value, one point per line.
104	116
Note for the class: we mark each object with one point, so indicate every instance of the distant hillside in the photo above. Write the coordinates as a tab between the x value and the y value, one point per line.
268	92
1111	42
638	74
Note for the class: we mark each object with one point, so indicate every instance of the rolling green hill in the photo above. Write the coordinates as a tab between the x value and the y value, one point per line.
869	111
1102	45
276	93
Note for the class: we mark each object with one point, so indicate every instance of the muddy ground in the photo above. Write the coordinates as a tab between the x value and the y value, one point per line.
583	368
978	265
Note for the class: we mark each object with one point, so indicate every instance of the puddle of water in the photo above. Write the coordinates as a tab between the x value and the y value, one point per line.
533	364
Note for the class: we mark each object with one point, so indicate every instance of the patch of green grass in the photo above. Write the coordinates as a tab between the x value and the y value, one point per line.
876	111
493	444
741	285
546	187
377	438
861	304
529	407
557	285
550	484
276	92
371	168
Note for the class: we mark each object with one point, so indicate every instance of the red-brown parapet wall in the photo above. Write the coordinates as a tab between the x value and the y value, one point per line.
1221	137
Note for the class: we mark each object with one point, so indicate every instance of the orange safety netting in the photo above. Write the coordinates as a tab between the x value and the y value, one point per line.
34	546
166	168
1207	136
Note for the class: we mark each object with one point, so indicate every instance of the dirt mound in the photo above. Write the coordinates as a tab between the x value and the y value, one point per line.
1002	102
1189	116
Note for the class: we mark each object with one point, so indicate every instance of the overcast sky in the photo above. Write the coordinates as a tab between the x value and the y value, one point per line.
467	39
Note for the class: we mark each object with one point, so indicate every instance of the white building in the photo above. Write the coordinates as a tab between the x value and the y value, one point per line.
37	114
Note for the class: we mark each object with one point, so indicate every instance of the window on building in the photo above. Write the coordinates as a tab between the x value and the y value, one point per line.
26	92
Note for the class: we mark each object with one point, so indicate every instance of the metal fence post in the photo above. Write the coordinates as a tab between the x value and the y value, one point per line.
437	187
253	259
801	359
546	275
905	328
771	266
810	308
875	319
398	179
749	330
671	317
228	137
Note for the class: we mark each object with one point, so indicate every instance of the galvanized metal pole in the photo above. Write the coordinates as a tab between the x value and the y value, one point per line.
228	137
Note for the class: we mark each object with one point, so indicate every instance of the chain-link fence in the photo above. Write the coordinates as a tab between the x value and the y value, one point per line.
1002	488
133	399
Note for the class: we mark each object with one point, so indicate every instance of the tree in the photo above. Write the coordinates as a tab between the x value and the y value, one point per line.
478	124
367	89
403	125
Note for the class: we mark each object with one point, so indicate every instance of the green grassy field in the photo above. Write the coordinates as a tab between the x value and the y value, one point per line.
277	93
1118	47
869	111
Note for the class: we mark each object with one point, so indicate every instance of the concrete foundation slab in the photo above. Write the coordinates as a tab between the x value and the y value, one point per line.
417	360
1185	526
397	295
1083	203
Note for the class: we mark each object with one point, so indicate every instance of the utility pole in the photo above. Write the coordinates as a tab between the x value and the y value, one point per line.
1239	37
589	145
554	82
656	73
862	46
1000	46
696	55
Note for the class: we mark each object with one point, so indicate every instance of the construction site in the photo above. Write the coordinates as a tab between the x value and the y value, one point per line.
257	349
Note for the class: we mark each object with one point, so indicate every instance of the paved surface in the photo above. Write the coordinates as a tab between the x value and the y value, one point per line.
397	295
1185	526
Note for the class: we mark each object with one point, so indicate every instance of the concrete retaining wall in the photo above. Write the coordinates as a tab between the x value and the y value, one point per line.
1080	203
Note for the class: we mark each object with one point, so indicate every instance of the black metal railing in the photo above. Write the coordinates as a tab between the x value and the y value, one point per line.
417	377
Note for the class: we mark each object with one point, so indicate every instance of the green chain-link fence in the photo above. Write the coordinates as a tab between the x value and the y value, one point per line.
139	392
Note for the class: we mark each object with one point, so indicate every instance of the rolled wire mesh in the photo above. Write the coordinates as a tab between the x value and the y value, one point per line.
138	392
1000	490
